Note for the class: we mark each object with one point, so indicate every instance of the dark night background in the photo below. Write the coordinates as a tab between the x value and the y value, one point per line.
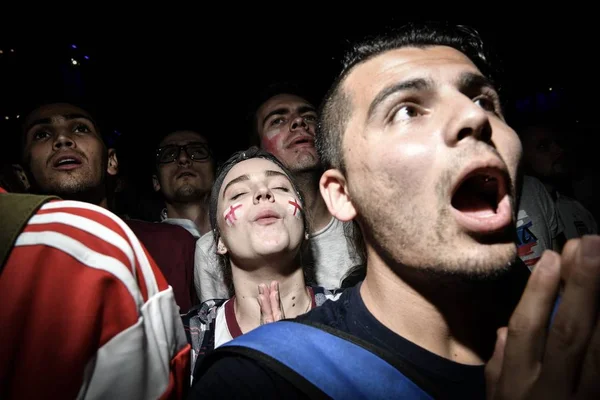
144	77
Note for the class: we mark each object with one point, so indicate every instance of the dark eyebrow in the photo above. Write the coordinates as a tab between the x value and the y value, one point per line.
412	84
285	110
43	121
276	173
470	82
240	178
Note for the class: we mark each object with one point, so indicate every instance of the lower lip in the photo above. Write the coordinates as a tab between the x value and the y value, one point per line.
267	221
304	145
67	167
186	176
489	223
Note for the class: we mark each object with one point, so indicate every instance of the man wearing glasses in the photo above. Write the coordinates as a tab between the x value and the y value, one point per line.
184	175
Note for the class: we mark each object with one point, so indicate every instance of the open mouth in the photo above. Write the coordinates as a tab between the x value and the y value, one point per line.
479	193
481	200
67	162
303	140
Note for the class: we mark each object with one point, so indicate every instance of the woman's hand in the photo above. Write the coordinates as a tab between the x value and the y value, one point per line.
270	303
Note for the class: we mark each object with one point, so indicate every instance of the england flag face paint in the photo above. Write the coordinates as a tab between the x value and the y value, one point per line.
231	214
294	208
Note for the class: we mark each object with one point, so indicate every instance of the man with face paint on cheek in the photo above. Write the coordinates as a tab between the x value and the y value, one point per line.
283	123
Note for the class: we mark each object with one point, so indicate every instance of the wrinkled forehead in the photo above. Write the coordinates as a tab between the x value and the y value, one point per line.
439	65
51	113
182	137
281	104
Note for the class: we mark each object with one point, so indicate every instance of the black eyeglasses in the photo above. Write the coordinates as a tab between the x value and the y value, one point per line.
196	151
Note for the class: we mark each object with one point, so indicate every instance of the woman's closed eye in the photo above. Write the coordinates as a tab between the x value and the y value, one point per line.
237	195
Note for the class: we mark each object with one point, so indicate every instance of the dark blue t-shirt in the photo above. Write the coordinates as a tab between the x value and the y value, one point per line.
240	377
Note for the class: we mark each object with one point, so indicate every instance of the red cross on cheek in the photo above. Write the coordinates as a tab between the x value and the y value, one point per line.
296	206
230	214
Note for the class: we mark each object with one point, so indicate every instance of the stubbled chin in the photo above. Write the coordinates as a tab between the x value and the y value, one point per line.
489	256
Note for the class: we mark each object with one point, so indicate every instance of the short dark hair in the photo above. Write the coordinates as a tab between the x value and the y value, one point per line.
236	158
271	90
336	108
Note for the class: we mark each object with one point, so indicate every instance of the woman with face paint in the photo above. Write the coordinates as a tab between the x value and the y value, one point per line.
260	231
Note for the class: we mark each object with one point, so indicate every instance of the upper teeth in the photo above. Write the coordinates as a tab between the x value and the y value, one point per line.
66	160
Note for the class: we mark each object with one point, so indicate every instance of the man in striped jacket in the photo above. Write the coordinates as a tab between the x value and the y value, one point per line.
64	155
84	309
85	312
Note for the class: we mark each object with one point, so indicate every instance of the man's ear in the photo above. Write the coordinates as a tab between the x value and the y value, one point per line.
155	183
334	190
20	173
113	164
221	248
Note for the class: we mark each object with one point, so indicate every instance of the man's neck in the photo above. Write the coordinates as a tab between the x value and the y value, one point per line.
308	182
292	291
455	321
195	212
93	196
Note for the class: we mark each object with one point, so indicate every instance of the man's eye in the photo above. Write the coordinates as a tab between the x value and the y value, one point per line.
83	128
406	112
39	135
486	103
277	121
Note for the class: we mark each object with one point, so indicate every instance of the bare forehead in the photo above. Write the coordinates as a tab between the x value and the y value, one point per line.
289	101
182	137
439	64
56	112
254	168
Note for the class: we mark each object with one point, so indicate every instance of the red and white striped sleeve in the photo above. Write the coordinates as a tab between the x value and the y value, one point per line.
85	312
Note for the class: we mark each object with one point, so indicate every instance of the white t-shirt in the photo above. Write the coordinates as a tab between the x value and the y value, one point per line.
222	332
187	224
537	221
576	219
